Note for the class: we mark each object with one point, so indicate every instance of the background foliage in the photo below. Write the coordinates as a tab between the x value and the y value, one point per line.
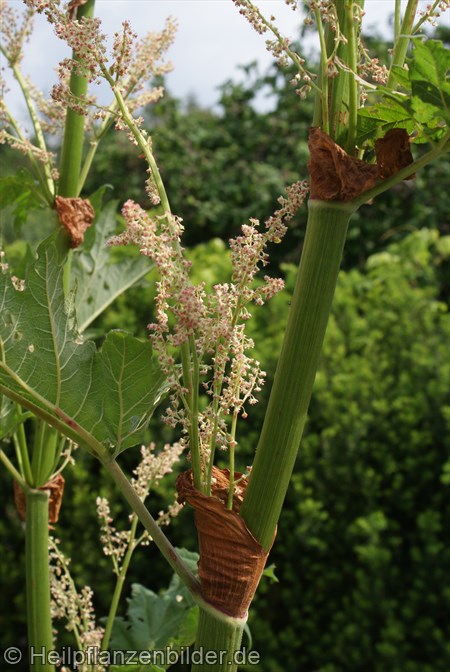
361	553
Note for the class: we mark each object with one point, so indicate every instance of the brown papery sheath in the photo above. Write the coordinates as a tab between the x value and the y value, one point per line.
231	559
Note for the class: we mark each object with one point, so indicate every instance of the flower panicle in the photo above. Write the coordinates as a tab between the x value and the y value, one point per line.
213	323
67	603
15	30
129	65
153	466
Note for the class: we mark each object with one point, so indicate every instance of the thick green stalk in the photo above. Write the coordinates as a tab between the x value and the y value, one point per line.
45	452
403	39
72	148
220	639
40	640
291	392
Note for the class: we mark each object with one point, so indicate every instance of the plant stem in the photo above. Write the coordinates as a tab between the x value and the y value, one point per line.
192	396
52	414
44	456
429	12
40	641
397	19
403	39
47	183
324	122
93	145
141	140
46	196
72	147
232	451
222	637
353	94
291	392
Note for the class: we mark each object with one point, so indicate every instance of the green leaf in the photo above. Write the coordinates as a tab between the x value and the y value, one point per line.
126	386
428	72
156	621
99	282
99	398
423	107
176	586
375	121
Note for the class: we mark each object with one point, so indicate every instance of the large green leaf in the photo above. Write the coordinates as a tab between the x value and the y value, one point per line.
98	281
158	622
126	385
101	398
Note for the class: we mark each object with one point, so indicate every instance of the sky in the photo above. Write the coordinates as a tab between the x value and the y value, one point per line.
212	41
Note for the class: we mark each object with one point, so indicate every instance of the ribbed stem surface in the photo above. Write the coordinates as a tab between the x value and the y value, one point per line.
217	644
72	148
297	367
38	581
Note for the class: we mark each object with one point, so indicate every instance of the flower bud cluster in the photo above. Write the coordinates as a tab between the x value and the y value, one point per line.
252	14
76	608
147	475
